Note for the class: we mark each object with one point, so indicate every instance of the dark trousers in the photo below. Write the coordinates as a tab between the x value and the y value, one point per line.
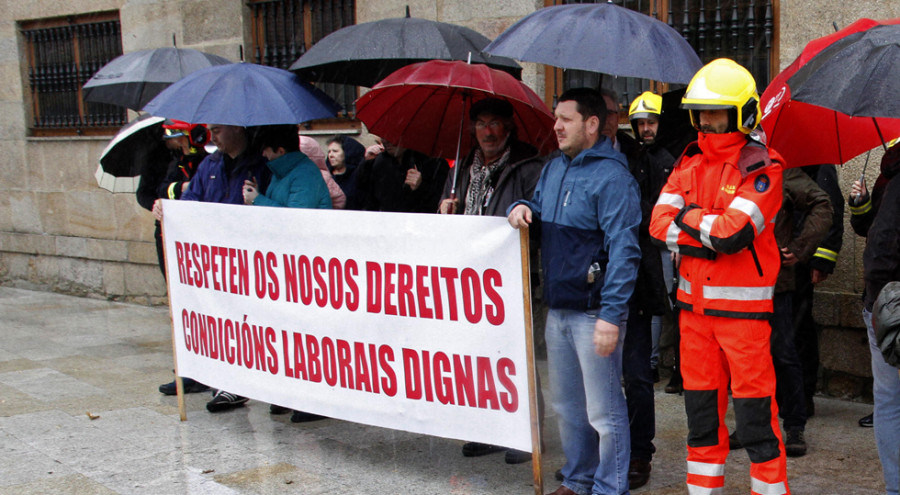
160	255
788	373
638	378
806	337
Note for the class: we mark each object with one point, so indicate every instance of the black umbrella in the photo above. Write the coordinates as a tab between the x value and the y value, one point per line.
602	38
363	54
136	146
858	75
133	79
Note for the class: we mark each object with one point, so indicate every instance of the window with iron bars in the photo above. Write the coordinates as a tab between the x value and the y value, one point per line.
743	30
283	30
61	55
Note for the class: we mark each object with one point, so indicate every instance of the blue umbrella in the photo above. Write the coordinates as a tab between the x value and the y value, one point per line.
242	94
602	38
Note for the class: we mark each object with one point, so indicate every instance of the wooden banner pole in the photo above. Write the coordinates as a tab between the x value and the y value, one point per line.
532	371
179	384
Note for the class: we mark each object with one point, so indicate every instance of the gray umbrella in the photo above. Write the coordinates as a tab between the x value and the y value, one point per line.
133	79
602	37
363	54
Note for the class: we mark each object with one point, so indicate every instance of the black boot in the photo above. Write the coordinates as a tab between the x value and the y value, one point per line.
675	385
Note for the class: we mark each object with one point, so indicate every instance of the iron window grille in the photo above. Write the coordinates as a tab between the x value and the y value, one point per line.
61	55
283	30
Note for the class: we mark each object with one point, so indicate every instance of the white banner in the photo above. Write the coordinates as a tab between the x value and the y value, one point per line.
406	321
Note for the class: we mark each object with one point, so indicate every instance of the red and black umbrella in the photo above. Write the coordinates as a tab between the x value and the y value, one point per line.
807	133
425	107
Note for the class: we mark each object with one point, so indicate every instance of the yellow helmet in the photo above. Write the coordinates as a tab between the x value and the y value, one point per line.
724	84
644	105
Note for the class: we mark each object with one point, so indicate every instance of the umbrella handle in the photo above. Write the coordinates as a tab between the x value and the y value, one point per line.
462	119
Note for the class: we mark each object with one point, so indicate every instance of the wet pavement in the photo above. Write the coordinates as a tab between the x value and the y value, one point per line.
80	414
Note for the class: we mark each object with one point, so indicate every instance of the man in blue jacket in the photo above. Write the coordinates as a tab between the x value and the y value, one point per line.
220	179
588	207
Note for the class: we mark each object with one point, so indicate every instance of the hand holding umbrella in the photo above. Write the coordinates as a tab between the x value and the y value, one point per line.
251	191
413	178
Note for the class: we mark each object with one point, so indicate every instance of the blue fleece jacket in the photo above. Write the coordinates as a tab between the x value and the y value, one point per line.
589	212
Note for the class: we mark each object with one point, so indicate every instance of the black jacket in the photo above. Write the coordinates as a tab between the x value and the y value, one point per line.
878	219
516	181
650	166
826	255
380	183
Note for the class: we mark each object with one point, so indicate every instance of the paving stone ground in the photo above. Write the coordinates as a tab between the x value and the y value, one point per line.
80	414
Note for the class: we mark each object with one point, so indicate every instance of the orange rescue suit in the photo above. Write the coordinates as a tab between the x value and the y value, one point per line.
717	209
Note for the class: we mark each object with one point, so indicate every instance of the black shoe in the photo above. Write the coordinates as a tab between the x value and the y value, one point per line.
638	473
514	456
276	409
190	387
558	475
675	385
225	401
867	422
475	449
733	442
794	444
305	417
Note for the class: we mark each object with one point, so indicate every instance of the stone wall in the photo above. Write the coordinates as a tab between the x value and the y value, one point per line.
59	231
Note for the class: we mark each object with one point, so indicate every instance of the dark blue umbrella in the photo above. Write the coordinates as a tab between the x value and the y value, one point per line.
242	94
133	79
602	38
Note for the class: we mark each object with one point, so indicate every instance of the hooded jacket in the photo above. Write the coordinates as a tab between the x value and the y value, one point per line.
296	183
589	212
717	210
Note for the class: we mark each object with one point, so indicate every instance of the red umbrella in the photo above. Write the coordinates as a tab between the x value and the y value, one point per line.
807	134
425	106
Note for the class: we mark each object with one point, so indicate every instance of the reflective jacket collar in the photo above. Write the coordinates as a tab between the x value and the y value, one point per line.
718	148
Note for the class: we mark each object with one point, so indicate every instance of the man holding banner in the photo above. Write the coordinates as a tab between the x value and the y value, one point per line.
220	179
590	256
497	172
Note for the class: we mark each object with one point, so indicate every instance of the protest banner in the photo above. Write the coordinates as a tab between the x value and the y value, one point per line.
407	321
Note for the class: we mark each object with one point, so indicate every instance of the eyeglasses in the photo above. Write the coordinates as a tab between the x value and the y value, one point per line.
494	124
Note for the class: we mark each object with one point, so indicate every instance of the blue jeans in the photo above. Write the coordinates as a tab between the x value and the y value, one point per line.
886	387
587	396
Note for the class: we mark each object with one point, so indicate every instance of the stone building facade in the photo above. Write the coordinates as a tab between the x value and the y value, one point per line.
59	231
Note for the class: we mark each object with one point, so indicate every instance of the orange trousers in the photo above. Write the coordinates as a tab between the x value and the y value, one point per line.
714	349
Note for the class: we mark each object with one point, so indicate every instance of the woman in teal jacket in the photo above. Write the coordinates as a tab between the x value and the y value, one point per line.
296	180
